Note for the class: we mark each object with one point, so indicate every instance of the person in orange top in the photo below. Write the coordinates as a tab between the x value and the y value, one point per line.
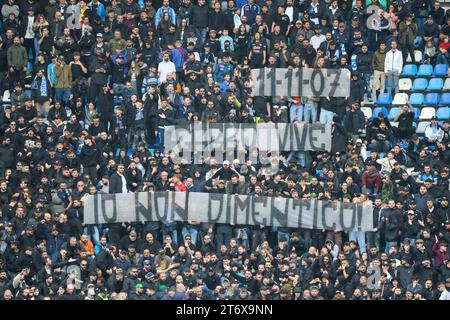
87	246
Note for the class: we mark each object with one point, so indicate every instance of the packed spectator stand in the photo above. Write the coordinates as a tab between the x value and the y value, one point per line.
88	87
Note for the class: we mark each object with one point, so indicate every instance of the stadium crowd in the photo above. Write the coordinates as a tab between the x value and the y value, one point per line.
86	98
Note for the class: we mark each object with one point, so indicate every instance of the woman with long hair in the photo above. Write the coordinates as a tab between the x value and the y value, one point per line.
182	30
257	55
241	43
133	74
164	25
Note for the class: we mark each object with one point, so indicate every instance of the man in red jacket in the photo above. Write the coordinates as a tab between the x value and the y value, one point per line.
371	181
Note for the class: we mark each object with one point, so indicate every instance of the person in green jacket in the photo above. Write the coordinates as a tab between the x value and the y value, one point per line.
379	77
408	32
63	83
17	62
117	42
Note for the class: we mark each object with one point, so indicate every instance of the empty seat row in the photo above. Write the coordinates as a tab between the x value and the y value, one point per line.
415	99
426	113
425	70
422	84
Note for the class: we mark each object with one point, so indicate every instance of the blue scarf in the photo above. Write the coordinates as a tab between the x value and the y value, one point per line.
43	87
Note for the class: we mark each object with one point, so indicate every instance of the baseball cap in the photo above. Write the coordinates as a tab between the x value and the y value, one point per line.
139	285
226	163
99	35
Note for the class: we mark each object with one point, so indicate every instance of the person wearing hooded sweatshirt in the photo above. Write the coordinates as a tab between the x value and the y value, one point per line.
363	64
391	224
356	87
371	180
405	271
90	158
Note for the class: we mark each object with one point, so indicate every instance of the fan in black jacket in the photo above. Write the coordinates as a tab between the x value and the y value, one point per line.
151	101
105	107
90	158
116	180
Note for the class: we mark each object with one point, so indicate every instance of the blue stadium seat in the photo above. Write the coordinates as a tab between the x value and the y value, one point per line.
445	99
416	113
384	99
443	113
425	70
420	84
435	84
431	99
377	110
393	113
409	70
416	99
440	70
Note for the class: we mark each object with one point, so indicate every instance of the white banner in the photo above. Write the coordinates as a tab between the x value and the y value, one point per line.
303	82
227	209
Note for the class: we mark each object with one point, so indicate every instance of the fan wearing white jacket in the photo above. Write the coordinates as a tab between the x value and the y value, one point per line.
387	163
393	65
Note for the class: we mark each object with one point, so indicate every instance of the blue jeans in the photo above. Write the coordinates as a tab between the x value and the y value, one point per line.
389	245
118	88
412	241
191	232
170	229
201	35
326	116
243	236
92	231
300	155
62	94
373	238
310	112
360	238
419	22
371	192
282	234
296	110
161	139
366	81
